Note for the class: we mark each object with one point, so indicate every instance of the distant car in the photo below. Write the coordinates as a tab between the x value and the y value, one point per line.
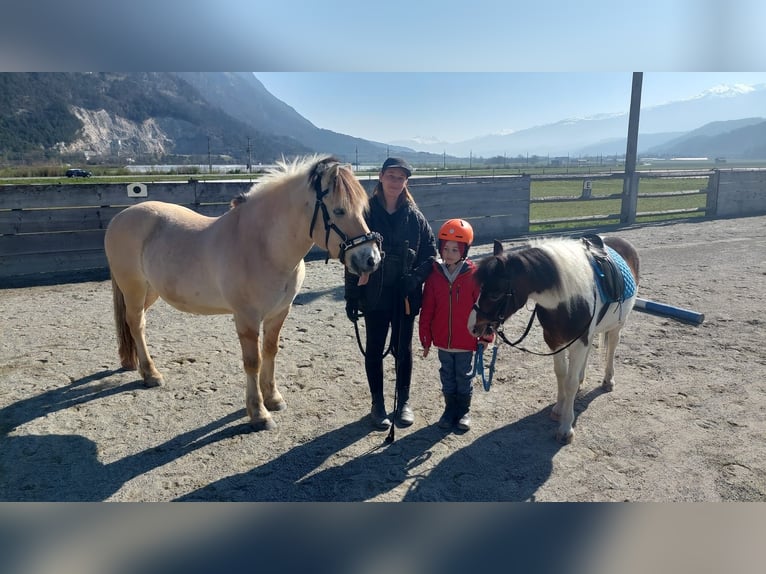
78	173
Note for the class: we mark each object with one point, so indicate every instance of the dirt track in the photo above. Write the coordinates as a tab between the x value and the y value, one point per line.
686	421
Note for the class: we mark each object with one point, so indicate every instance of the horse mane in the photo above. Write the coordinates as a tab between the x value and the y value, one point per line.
348	193
572	264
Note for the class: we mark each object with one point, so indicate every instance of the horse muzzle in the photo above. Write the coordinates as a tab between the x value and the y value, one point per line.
362	255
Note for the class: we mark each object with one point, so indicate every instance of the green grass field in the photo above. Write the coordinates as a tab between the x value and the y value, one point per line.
569	188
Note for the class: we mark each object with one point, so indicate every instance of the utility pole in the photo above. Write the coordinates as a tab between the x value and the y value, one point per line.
630	183
357	157
249	161
444	159
209	161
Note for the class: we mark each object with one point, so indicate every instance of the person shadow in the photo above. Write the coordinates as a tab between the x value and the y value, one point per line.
522	452
67	467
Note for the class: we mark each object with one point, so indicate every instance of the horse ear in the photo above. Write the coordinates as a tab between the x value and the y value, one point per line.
326	172
497	248
330	177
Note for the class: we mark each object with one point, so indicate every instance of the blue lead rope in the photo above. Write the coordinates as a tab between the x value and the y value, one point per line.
478	366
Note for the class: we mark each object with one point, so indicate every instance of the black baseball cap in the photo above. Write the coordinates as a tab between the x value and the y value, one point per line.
397	162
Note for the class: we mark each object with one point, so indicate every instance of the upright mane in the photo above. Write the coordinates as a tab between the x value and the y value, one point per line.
575	279
347	192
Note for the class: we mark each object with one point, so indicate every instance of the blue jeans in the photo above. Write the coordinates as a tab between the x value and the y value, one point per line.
455	372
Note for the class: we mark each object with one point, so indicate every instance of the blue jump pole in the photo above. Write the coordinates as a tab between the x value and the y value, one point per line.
663	310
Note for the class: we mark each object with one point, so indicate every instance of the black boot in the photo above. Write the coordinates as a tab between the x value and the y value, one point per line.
463	403
378	413
448	416
404	415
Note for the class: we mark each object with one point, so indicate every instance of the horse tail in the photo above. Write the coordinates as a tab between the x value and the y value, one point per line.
127	346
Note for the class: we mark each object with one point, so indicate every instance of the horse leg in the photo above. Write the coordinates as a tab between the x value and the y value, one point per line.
612	338
560	363
272	326
135	295
578	353
581	378
249	340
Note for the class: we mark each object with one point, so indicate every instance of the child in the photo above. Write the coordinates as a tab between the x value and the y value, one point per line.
448	296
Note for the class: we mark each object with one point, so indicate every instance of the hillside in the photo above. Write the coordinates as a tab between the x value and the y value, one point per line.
193	117
742	139
127	116
242	96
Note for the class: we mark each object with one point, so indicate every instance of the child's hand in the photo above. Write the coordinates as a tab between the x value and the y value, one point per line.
425	351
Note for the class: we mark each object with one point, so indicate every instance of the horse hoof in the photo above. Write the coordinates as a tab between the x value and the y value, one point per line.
565	438
607	385
265	424
276	406
153	381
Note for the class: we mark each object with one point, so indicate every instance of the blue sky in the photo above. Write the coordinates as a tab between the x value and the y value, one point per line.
395	35
454	106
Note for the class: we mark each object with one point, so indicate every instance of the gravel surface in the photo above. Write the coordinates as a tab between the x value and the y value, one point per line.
685	422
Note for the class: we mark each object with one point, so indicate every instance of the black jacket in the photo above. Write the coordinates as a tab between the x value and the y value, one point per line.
410	248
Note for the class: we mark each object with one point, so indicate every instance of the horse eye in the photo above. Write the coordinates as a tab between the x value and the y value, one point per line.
339	212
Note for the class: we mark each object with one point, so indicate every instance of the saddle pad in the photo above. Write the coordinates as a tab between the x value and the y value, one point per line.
610	287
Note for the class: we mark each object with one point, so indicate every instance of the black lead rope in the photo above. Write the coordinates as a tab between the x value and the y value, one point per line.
361	347
400	321
529	326
405	310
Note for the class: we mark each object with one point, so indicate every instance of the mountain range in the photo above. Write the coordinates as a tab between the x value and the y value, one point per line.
195	116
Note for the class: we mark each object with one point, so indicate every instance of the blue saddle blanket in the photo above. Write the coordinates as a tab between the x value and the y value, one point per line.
606	290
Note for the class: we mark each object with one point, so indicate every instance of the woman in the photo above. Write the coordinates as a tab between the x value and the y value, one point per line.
392	295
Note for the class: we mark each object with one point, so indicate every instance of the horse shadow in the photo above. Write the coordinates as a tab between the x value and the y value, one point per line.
46	468
523	452
76	393
67	468
294	469
308	296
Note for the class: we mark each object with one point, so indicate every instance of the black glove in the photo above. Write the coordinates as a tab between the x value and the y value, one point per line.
352	310
410	282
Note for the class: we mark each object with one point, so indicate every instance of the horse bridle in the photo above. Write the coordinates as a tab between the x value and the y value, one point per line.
329	225
495	323
504	302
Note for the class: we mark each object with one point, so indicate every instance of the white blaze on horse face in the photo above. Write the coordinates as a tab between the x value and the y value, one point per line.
472	322
363	259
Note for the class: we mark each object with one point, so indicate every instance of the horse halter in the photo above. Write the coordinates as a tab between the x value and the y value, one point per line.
329	225
500	312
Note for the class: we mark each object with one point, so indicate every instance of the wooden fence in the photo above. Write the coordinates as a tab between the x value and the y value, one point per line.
55	233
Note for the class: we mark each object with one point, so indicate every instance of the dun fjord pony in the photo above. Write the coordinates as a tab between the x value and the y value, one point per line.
580	288
247	262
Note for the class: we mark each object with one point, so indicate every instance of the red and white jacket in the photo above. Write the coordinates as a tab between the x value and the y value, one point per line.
446	307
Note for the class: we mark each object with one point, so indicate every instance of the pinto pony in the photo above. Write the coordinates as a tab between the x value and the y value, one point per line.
248	262
574	300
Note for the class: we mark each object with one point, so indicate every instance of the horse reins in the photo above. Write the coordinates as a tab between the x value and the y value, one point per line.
515	344
330	226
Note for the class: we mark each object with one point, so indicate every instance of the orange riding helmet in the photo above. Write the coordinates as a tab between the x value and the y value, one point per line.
456	230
